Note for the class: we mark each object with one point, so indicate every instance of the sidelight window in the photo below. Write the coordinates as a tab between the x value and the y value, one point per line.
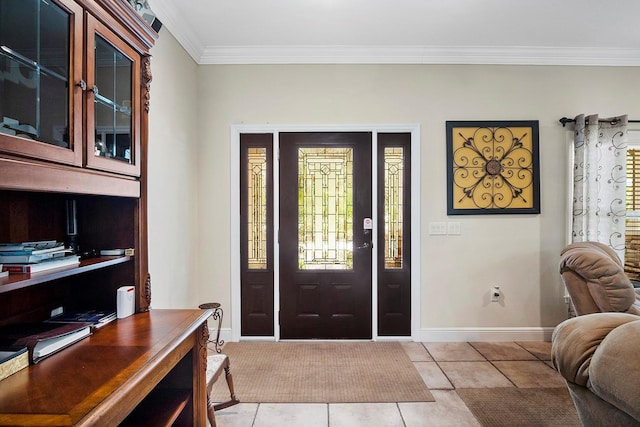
393	206
257	208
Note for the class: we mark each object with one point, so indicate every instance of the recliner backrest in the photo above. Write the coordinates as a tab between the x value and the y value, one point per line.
595	278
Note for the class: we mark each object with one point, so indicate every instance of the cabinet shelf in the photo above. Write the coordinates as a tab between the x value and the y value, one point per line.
19	281
160	408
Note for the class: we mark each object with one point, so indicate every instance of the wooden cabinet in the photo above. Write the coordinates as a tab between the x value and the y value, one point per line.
72	82
74	98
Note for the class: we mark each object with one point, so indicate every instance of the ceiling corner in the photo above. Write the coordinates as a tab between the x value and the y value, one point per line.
171	18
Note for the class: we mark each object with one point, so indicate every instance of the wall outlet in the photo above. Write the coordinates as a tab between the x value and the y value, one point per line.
495	294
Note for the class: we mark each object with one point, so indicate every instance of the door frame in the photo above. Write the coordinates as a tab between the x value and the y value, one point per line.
234	161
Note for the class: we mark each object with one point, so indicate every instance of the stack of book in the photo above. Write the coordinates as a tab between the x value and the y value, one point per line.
33	257
43	339
98	318
12	360
22	344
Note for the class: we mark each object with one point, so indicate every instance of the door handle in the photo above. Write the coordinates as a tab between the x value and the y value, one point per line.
368	226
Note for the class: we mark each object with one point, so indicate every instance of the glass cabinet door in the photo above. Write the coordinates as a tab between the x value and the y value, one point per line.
113	78
40	72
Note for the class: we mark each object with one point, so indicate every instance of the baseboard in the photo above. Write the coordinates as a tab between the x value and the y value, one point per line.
443	335
485	334
225	334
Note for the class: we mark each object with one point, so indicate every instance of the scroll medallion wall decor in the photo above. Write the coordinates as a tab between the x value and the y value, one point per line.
493	168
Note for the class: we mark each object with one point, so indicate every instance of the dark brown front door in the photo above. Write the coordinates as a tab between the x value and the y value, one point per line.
325	246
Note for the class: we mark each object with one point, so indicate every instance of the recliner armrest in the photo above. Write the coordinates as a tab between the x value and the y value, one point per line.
575	340
614	374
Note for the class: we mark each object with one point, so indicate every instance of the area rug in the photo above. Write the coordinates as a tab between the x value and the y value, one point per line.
535	407
321	372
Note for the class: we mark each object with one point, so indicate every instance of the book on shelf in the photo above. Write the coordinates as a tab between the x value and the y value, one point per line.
42	266
26	258
98	318
12	360
36	247
43	339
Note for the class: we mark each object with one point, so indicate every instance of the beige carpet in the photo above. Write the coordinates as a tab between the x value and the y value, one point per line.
323	372
535	407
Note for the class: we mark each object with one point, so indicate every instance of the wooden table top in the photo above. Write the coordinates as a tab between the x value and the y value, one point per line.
63	388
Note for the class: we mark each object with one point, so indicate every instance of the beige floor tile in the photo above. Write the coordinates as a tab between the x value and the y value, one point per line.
292	415
474	375
240	415
416	352
448	410
364	415
540	349
526	374
452	351
432	375
461	365
502	351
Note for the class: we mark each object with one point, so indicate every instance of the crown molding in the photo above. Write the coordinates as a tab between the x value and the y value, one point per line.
173	20
419	55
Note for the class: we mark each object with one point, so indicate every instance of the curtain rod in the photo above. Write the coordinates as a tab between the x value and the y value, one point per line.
566	120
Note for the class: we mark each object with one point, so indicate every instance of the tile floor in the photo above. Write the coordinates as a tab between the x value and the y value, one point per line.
443	366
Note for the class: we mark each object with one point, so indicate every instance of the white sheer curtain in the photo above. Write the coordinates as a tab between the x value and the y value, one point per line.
599	180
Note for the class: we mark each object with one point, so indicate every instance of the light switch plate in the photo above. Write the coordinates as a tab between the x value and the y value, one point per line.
438	228
453	228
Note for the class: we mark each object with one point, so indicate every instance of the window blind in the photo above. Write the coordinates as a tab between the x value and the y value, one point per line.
632	224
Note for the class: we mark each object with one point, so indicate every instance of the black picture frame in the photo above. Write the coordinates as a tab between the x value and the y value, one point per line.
493	167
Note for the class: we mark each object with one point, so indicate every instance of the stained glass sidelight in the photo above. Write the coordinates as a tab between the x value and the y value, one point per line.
325	208
257	208
393	206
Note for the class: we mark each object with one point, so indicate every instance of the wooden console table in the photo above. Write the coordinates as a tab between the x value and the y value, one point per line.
130	372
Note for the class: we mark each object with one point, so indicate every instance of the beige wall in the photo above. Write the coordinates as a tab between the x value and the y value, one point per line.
172	184
517	252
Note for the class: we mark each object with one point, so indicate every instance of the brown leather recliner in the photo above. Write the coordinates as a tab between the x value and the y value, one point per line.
596	281
597	354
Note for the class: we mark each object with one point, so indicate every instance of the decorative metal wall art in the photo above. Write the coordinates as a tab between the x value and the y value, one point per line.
492	167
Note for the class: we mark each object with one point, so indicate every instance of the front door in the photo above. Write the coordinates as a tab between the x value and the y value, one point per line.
325	236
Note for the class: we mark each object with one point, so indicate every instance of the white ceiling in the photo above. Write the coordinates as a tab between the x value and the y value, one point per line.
555	32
